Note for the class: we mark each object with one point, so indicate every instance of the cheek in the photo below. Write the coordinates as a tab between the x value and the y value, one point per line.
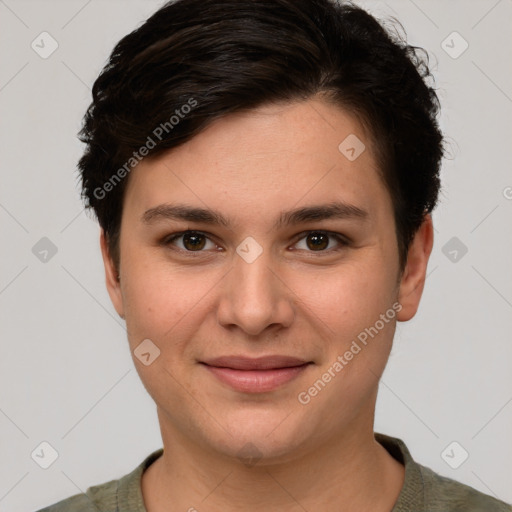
347	297
161	304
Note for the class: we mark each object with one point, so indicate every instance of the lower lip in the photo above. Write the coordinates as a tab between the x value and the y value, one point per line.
256	381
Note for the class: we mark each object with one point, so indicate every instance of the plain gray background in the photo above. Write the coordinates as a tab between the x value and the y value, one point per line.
66	374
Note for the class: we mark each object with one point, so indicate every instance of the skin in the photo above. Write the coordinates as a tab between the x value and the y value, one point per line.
294	299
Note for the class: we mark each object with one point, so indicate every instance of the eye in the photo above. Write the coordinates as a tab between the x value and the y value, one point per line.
314	241
319	241
192	241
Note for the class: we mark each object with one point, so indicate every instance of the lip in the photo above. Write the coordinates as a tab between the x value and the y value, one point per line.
255	363
256	375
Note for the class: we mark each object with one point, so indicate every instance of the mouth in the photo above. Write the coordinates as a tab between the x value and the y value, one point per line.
256	375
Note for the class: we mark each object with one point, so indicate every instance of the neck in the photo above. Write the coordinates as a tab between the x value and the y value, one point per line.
346	472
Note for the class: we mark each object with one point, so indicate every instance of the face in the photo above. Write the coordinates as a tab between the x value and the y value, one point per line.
262	263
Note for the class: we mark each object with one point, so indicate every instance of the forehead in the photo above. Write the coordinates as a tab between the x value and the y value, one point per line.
276	156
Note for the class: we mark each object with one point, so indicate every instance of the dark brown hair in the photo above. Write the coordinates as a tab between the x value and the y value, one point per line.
194	61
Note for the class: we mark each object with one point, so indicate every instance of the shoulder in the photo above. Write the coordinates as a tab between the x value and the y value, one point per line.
98	497
425	490
124	494
444	494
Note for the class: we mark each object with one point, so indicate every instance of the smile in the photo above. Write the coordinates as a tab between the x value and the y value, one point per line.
256	375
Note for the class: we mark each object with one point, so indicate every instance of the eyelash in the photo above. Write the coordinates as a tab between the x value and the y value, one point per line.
343	241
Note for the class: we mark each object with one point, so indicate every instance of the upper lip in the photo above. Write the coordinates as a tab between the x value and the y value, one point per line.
259	363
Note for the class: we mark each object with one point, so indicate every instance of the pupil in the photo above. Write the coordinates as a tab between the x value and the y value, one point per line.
315	238
196	241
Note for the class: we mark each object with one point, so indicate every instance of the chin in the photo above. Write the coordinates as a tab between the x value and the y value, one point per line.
253	436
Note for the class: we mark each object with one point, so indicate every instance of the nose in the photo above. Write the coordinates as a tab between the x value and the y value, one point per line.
254	297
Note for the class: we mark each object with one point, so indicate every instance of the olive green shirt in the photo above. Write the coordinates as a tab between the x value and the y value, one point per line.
423	490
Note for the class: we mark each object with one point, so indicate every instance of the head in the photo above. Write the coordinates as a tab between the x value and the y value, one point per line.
299	140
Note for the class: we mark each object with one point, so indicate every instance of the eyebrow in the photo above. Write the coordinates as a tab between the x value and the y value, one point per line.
335	210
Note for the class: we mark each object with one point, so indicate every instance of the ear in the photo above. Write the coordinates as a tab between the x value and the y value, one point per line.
414	274
111	277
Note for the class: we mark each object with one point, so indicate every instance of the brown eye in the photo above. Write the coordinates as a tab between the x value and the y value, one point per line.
193	241
316	241
320	242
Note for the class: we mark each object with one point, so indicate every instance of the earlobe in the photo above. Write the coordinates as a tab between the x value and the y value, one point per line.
413	277
111	276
